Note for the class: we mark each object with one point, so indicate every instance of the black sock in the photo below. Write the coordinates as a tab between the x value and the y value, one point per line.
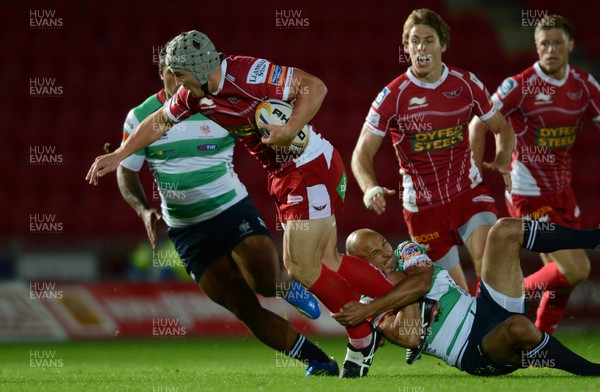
306	351
546	237
551	353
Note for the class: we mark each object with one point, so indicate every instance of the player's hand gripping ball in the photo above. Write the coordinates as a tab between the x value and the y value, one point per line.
276	112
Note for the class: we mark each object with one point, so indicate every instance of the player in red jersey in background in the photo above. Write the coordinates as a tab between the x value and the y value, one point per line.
426	110
308	189
546	104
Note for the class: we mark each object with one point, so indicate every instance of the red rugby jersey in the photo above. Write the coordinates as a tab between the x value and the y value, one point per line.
546	115
428	123
245	82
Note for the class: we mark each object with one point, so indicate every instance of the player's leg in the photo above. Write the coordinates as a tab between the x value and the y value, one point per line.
501	266
481	217
458	274
563	270
258	261
476	245
517	342
249	242
449	261
224	283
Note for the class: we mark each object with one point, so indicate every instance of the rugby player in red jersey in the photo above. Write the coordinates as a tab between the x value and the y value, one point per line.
426	110
547	104
308	189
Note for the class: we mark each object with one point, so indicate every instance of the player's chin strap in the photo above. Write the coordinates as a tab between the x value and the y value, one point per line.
369	195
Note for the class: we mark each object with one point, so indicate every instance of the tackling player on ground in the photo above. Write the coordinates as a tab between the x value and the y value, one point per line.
212	221
484	336
547	104
426	110
308	189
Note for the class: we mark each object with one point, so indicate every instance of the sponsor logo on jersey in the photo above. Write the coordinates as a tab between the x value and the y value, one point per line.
245	227
162	153
262	222
294	199
258	72
575	96
207	147
483	198
205	129
129	124
556	137
541	214
425	238
542	98
277	75
437	139
320	208
381	96
416	103
453	94
508	85
373	118
234	100
207	103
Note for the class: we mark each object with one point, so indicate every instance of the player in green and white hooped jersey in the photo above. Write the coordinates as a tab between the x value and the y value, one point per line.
211	221
487	335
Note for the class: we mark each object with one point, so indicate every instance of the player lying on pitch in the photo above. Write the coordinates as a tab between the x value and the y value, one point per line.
487	335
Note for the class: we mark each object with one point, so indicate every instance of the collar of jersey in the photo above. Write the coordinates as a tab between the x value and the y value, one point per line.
548	79
223	73
433	85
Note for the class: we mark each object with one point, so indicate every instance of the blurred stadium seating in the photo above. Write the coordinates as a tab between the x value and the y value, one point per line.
102	57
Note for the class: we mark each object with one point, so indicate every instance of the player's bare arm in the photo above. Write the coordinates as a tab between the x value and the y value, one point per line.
149	130
406	292
477	135
309	93
504	136
362	167
133	192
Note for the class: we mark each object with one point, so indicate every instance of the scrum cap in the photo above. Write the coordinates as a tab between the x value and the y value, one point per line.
193	52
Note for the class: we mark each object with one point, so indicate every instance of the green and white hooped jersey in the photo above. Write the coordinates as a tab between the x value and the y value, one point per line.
450	331
192	166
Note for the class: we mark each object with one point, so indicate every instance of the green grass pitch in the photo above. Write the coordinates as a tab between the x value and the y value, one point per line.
186	364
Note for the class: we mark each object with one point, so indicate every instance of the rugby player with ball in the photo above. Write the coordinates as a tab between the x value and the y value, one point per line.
308	188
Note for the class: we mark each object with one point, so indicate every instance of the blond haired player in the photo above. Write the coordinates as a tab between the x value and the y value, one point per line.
426	110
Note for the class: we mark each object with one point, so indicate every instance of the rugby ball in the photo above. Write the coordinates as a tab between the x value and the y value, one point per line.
274	111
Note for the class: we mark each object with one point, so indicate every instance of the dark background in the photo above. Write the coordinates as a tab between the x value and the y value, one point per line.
102	56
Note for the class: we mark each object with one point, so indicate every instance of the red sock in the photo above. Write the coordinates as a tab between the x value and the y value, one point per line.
546	278
334	292
551	311
363	277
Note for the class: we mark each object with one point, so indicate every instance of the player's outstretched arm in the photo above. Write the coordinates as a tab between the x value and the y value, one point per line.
149	130
505	145
133	192
406	292
362	167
